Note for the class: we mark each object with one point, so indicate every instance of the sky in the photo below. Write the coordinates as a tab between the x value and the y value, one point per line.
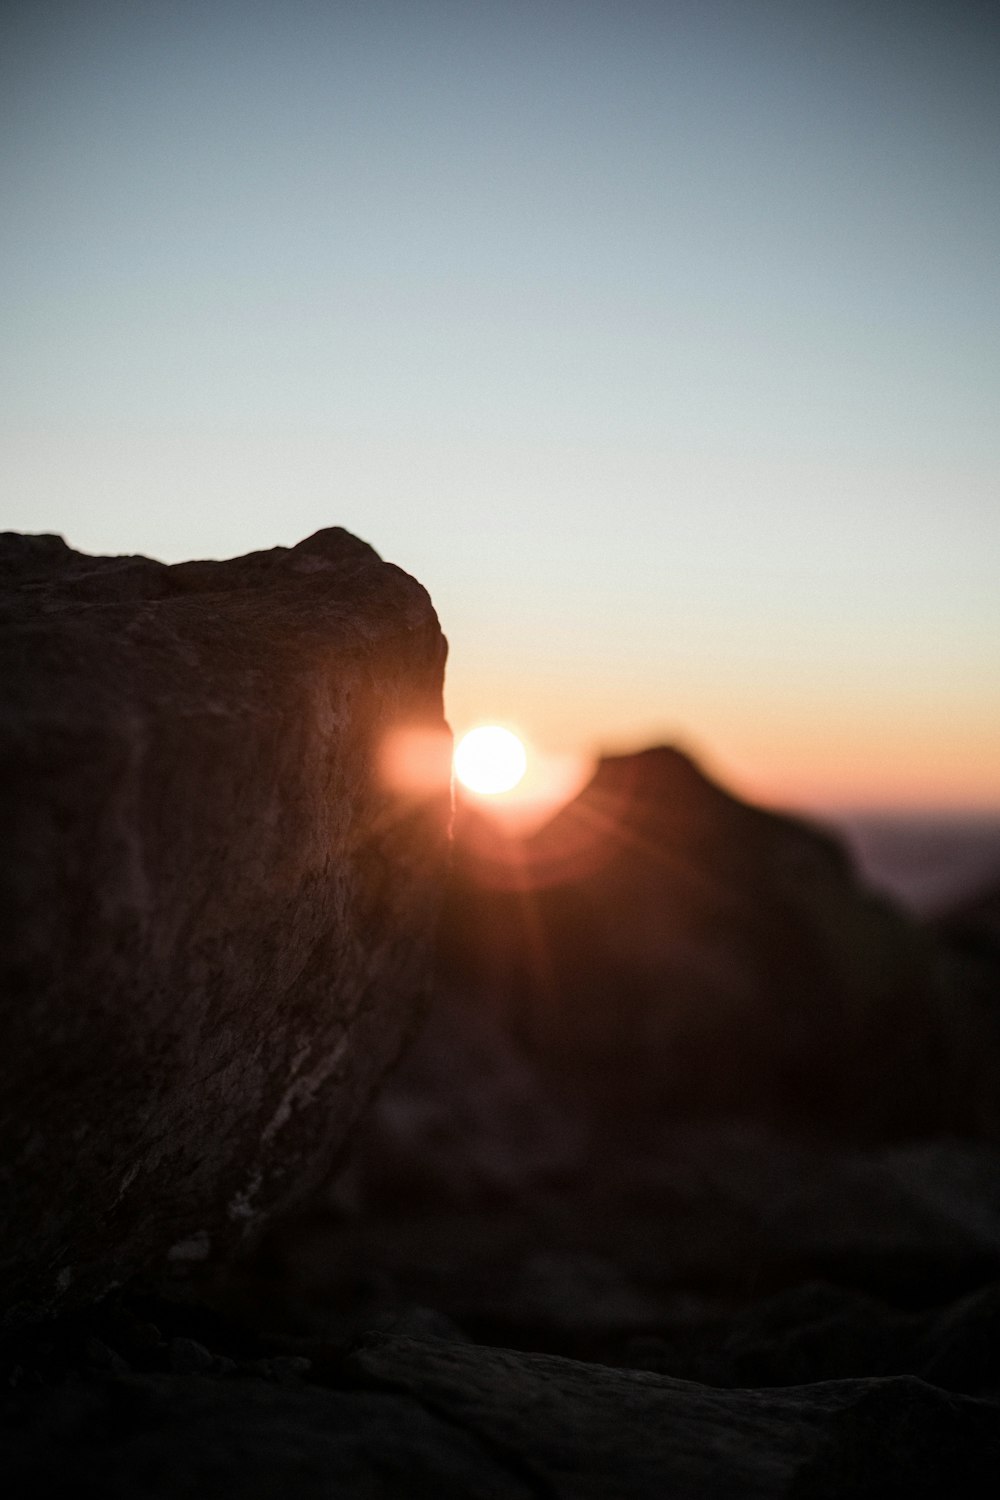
660	341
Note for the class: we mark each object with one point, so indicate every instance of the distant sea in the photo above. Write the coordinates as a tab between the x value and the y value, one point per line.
928	862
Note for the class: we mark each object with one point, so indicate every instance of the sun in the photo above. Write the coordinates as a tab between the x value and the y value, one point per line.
489	760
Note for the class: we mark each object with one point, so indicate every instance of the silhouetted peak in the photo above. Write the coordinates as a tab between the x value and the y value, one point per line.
336	544
661	784
658	770
26	556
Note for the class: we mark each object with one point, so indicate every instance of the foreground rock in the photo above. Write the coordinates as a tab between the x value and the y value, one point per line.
663	947
582	1431
220	912
407	1416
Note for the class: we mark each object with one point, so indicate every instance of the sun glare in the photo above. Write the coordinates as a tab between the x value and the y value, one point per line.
489	760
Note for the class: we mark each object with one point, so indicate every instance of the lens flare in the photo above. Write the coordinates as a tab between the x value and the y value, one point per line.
489	760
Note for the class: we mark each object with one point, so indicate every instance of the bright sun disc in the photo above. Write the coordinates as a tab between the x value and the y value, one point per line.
490	760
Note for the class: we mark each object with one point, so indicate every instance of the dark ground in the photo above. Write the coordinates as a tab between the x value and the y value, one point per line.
494	1303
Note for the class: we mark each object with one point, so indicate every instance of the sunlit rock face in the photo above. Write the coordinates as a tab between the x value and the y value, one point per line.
220	914
662	946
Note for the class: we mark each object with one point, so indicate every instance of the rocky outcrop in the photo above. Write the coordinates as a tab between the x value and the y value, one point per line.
220	906
663	947
402	1415
578	1431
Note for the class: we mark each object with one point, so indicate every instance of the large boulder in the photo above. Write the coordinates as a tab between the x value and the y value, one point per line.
220	889
663	947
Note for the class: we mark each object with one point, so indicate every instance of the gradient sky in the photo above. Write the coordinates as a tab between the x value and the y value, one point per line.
660	341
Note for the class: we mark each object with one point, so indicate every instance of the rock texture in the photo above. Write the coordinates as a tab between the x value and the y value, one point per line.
585	1432
220	914
432	1418
662	946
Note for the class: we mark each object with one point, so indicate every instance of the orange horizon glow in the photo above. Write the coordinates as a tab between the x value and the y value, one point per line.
819	748
861	769
850	777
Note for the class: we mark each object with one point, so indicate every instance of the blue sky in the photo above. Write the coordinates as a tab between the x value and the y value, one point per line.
662	342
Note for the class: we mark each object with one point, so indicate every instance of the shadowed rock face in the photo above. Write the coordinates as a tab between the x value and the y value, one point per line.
220	915
662	945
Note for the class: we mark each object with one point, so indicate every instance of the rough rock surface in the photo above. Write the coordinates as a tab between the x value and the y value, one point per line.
663	946
219	913
429	1417
586	1432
